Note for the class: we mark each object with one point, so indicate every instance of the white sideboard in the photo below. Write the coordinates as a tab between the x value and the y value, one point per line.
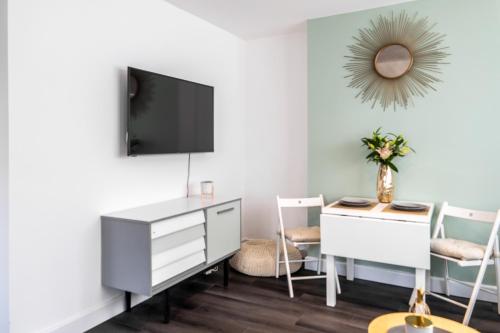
147	249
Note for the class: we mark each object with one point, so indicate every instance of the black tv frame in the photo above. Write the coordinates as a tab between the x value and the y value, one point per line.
127	138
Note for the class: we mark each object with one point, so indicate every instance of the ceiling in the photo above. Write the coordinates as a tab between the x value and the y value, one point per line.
250	19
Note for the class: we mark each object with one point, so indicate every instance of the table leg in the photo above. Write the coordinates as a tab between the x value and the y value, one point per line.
128	301
331	288
413	297
226	272
427	282
166	306
420	277
350	269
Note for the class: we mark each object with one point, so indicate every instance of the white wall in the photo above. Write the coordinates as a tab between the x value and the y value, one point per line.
67	93
67	122
4	172
276	130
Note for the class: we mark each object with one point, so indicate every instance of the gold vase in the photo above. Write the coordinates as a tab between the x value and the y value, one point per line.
385	184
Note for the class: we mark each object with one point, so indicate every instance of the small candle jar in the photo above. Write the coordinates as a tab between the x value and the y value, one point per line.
207	189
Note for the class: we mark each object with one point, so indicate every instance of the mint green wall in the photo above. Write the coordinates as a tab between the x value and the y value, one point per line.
455	130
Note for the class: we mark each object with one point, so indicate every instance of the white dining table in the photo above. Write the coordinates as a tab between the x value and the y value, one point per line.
376	233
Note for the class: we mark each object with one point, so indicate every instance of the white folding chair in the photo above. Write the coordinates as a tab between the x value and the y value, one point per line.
467	254
297	237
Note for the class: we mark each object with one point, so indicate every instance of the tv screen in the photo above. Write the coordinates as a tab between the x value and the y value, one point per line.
168	115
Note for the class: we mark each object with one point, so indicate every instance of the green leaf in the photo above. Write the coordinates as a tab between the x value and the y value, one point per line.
371	155
392	166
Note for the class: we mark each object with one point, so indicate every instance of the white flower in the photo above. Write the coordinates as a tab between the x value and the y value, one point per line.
403	151
384	153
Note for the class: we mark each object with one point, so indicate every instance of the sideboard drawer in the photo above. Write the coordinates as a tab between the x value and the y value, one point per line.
223	230
166	272
178	238
174	254
174	224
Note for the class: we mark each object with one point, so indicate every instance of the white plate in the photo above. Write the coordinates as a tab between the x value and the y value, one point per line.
354	202
409	206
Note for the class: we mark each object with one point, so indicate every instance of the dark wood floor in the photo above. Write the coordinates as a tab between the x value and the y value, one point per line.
253	305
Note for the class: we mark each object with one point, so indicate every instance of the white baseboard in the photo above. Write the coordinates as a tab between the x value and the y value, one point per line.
404	279
85	320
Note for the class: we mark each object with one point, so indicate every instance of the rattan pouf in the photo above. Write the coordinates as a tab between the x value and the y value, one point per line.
257	258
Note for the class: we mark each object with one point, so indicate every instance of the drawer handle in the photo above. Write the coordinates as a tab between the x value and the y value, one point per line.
225	210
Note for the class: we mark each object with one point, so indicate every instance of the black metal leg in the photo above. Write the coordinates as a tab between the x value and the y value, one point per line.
166	309
226	272
128	298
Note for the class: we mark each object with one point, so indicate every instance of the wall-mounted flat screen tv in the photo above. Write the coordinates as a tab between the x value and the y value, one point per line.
168	115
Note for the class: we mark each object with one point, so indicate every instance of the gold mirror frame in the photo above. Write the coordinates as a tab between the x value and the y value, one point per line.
427	56
393	61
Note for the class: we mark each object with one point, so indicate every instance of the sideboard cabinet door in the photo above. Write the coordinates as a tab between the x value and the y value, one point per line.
223	230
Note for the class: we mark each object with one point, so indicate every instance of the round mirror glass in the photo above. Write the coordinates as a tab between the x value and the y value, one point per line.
393	61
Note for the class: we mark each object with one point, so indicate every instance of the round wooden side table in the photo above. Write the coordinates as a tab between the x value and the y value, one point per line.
385	322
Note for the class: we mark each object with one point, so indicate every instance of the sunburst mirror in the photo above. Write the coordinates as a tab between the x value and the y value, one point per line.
396	59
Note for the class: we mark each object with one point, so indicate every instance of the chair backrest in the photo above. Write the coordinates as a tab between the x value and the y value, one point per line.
297	203
301	202
463	213
471	215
